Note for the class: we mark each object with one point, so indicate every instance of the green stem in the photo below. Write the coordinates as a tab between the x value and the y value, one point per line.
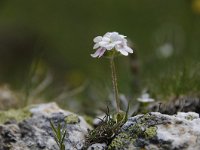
114	81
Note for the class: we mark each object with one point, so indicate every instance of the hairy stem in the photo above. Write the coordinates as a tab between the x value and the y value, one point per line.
114	81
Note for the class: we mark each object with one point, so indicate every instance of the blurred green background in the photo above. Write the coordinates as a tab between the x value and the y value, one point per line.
45	49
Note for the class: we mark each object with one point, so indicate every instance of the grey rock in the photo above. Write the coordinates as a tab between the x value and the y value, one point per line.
156	131
152	131
35	132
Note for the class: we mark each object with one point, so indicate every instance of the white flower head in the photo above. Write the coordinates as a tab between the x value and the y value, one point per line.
111	41
165	50
145	98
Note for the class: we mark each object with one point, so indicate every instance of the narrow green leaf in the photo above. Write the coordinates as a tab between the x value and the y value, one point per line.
59	132
53	127
127	111
63	136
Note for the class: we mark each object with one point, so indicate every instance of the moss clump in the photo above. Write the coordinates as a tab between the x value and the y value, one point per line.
12	114
142	129
103	133
72	119
107	129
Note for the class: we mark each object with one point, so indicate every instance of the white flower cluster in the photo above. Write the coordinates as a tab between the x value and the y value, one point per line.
110	41
145	98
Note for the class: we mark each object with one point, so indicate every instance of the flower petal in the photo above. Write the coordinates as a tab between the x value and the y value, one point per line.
102	52
117	42
110	46
128	49
99	52
115	37
103	43
122	51
145	100
96	54
108	34
97	39
96	46
106	39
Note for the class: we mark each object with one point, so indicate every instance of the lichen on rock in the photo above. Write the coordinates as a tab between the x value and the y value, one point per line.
150	132
121	141
72	119
12	114
159	132
142	127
